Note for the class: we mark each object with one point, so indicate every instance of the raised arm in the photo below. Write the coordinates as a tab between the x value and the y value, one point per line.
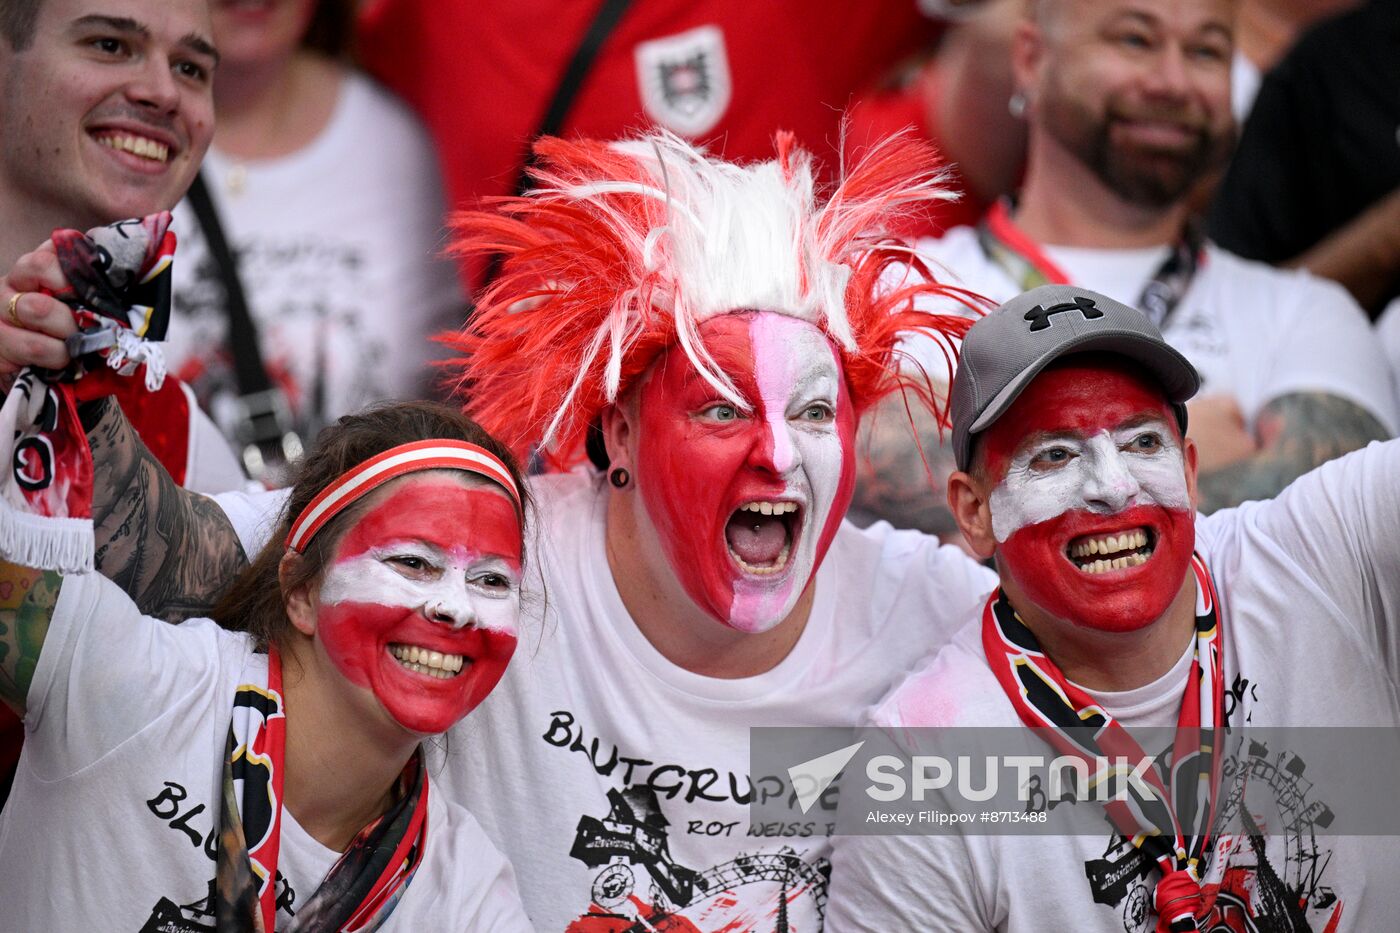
171	550
1296	433
892	481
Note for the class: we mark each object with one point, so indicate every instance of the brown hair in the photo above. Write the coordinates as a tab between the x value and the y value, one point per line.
17	19
254	603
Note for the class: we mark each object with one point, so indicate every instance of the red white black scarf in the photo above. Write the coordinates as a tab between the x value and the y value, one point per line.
119	289
366	882
1172	825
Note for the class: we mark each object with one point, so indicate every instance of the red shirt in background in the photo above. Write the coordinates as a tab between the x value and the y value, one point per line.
729	73
884	113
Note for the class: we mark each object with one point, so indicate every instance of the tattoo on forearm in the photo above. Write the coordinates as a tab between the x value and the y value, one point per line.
171	550
27	598
1306	430
892	481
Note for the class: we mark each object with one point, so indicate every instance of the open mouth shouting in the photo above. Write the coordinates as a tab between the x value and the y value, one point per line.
1104	553
762	535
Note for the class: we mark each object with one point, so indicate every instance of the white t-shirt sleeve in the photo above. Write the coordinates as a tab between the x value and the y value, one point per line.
106	672
213	466
1328	345
254	515
1341	523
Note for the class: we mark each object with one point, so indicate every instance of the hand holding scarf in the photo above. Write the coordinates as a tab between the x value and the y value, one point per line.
119	288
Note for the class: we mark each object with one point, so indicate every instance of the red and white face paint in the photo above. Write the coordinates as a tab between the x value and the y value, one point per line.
746	503
421	602
1092	512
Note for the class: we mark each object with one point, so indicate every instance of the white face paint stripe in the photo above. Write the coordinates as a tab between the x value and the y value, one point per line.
774	373
365	578
1100	477
793	363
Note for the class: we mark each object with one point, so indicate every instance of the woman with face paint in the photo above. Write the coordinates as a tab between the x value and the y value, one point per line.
272	776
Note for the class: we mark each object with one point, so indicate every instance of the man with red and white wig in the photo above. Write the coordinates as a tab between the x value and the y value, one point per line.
708	334
1120	608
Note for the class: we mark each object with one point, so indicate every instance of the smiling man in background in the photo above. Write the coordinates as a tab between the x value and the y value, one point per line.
106	110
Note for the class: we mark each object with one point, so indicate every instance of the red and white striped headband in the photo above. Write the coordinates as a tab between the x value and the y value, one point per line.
391	464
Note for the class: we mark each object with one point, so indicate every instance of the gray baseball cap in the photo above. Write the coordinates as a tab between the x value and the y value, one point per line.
1009	347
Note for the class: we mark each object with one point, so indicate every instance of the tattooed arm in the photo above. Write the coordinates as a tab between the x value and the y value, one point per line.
1297	432
171	550
27	598
892	482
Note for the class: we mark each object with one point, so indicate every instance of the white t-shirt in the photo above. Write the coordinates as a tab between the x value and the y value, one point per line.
1388	327
1245	78
1309	587
338	248
589	708
212	466
1252	331
113	820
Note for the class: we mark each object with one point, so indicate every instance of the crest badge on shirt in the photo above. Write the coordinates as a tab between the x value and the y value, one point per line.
684	80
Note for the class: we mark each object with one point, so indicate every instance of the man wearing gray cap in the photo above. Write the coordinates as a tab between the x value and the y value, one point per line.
1131	611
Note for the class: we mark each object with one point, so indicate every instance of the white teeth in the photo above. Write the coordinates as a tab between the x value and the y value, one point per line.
1110	544
1118	563
426	661
137	145
777	565
769	508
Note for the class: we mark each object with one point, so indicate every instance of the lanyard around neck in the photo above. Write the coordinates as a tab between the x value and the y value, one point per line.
1025	262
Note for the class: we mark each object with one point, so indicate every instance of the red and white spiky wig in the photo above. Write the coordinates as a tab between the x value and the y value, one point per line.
623	249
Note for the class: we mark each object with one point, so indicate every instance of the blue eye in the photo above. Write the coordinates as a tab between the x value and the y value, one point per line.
818	412
721	413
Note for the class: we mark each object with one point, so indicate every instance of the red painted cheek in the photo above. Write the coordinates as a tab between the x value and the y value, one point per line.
685	474
357	636
687	467
1034	557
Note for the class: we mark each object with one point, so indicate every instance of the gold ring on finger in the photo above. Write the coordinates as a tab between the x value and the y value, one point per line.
14	308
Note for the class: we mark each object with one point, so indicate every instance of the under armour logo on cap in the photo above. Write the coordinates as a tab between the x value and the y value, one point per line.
1040	317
